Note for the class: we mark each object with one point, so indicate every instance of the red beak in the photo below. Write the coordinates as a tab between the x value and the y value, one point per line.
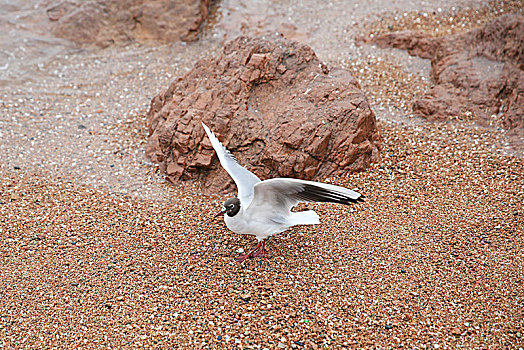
220	213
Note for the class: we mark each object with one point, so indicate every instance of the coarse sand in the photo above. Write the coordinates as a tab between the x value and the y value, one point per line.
434	257
98	251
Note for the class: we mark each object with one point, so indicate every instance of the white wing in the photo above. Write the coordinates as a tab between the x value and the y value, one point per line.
244	178
284	193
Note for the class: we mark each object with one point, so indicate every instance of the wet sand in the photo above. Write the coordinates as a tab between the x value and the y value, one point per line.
96	250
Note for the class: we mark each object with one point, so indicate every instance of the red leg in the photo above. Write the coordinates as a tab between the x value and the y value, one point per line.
260	252
242	257
255	252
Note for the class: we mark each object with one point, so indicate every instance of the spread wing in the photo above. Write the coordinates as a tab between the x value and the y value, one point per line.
244	178
284	193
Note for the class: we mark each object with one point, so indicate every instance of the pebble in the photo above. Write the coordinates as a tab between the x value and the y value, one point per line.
60	184
456	331
245	297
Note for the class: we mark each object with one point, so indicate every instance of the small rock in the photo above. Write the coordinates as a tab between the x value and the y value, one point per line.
456	331
388	326
281	345
245	297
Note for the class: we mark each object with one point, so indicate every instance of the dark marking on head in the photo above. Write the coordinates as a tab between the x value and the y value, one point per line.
232	206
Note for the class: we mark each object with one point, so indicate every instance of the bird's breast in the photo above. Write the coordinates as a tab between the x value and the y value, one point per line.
237	223
259	225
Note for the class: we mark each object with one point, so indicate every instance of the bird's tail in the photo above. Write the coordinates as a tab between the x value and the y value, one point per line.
308	217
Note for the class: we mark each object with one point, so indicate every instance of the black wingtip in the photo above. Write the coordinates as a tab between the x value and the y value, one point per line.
357	200
320	194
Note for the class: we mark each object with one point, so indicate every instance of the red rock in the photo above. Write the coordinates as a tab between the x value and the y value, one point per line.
416	43
480	71
105	22
456	331
270	107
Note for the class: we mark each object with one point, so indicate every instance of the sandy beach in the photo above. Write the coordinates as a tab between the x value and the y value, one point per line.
97	250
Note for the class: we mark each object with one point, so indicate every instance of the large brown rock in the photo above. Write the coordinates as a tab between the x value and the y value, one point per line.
480	72
274	105
104	22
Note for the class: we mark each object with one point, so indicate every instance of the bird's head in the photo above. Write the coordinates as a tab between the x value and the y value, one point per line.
231	207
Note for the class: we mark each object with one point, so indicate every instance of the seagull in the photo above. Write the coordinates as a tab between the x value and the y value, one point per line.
263	208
